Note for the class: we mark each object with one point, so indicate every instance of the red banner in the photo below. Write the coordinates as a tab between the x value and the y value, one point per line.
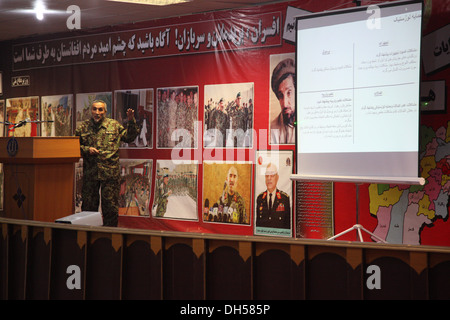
262	30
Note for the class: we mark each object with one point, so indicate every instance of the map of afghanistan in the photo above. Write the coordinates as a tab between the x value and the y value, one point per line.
402	211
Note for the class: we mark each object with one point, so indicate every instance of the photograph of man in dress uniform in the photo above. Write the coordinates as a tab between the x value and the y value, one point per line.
228	114
56	112
227	192
273	187
282	99
141	101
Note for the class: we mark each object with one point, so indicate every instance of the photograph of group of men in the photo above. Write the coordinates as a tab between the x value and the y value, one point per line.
228	115
56	114
19	109
177	116
135	185
141	101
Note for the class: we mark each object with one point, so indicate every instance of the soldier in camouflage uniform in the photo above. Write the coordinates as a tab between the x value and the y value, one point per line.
232	200
219	121
100	139
163	195
238	121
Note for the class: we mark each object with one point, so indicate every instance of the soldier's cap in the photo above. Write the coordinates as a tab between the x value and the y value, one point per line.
287	66
238	95
221	99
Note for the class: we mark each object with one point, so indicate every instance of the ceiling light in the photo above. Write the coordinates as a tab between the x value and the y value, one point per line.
153	2
39	9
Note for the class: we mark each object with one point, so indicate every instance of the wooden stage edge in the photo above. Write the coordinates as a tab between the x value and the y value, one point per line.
225	237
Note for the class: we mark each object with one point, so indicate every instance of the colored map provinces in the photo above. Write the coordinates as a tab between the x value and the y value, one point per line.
403	211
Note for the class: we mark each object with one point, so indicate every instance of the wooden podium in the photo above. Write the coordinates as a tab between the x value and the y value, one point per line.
39	178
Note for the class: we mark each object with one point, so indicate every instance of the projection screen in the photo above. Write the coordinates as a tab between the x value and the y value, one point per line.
357	94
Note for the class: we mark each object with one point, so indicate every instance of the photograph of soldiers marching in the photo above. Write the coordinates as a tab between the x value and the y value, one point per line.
177	116
229	115
175	190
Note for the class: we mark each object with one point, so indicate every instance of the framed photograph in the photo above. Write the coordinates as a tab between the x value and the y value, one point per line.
56	112
177	117
2	118
135	186
175	195
19	109
227	191
273	200
141	101
228	114
282	99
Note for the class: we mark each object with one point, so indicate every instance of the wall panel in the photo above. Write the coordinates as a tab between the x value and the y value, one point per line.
117	263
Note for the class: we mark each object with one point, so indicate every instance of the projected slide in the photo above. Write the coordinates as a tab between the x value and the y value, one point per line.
358	77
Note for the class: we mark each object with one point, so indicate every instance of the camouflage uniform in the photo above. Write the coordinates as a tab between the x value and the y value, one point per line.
103	170
219	120
238	125
163	195
236	206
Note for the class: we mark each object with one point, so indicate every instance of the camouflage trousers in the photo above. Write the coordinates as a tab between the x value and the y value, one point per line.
109	199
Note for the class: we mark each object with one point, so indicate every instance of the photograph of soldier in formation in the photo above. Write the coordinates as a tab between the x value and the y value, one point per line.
175	195
273	192
227	192
19	109
141	101
56	111
282	99
135	185
177	117
84	104
228	115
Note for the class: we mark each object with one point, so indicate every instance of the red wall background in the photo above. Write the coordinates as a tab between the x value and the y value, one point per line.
213	67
